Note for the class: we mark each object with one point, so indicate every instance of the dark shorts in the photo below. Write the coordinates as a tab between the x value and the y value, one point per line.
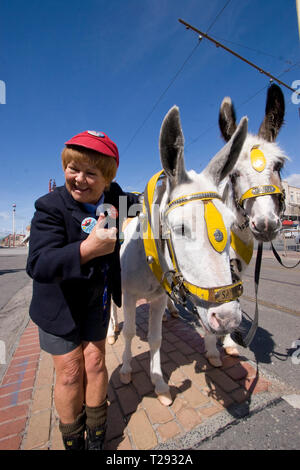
93	327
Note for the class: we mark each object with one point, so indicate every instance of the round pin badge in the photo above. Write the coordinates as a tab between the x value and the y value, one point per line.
88	224
96	134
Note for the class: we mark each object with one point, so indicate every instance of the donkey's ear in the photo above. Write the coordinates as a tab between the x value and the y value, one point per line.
274	114
223	162
171	145
227	119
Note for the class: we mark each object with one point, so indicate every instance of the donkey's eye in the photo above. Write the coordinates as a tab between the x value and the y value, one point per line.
234	177
278	166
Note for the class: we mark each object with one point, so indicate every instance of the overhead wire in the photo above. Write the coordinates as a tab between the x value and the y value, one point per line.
160	98
173	80
194	140
281	59
219	44
217	17
297	64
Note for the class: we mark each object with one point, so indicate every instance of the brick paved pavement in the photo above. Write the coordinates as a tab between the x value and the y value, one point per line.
136	419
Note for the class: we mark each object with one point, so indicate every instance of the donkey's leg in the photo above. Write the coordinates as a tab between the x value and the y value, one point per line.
157	308
113	326
212	353
129	331
230	346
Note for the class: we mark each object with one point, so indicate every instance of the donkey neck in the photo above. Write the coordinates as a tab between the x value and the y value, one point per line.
240	225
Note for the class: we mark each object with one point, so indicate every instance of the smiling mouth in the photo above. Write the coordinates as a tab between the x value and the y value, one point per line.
80	190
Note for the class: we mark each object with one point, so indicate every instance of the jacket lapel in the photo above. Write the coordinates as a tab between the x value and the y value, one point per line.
77	210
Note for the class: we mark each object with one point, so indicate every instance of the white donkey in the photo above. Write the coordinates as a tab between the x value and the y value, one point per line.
253	189
198	225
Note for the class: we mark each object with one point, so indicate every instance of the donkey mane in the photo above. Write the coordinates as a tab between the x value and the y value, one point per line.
271	150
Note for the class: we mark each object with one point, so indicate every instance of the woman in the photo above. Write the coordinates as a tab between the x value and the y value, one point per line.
74	263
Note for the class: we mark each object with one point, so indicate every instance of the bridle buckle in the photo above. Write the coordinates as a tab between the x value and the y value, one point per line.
178	291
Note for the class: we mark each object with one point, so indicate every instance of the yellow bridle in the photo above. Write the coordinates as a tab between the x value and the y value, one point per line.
242	249
263	190
258	162
172	280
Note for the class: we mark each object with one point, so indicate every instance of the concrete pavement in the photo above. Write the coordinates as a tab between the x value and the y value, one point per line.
205	399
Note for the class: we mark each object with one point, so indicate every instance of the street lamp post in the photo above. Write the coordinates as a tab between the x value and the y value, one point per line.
13	230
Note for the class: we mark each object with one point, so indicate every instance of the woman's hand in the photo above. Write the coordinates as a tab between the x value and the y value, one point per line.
101	241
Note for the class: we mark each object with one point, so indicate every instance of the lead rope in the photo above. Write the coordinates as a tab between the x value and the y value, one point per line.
236	335
280	261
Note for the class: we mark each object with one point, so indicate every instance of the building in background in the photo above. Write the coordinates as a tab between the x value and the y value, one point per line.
292	203
13	240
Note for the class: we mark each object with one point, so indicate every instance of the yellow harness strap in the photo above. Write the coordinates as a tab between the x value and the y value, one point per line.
182	200
148	237
256	191
216	229
213	294
243	250
216	294
218	236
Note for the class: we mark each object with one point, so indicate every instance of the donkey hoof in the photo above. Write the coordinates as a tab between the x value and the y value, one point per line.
232	351
214	361
111	340
125	378
165	398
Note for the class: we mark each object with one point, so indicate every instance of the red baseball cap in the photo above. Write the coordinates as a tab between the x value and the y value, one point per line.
97	141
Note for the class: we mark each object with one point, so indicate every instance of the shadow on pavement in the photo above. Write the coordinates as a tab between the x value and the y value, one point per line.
189	375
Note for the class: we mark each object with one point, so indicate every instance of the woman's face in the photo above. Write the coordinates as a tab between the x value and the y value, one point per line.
84	182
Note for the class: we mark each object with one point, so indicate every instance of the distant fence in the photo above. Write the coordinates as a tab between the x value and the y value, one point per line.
287	240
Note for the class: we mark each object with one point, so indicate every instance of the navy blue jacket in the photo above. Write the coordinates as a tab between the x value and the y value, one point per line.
63	289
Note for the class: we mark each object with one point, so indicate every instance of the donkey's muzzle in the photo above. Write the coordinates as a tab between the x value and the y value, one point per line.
225	318
265	229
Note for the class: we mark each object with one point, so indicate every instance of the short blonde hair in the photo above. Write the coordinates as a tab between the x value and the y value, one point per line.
106	164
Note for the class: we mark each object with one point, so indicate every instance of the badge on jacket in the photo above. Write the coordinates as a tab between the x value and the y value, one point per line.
88	224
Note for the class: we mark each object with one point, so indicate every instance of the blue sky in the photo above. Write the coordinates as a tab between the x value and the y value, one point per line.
74	65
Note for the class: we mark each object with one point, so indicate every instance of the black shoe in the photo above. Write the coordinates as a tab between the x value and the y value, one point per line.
75	442
95	437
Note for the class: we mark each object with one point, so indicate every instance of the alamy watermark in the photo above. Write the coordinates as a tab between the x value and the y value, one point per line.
2	353
296	354
2	92
296	94
187	224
